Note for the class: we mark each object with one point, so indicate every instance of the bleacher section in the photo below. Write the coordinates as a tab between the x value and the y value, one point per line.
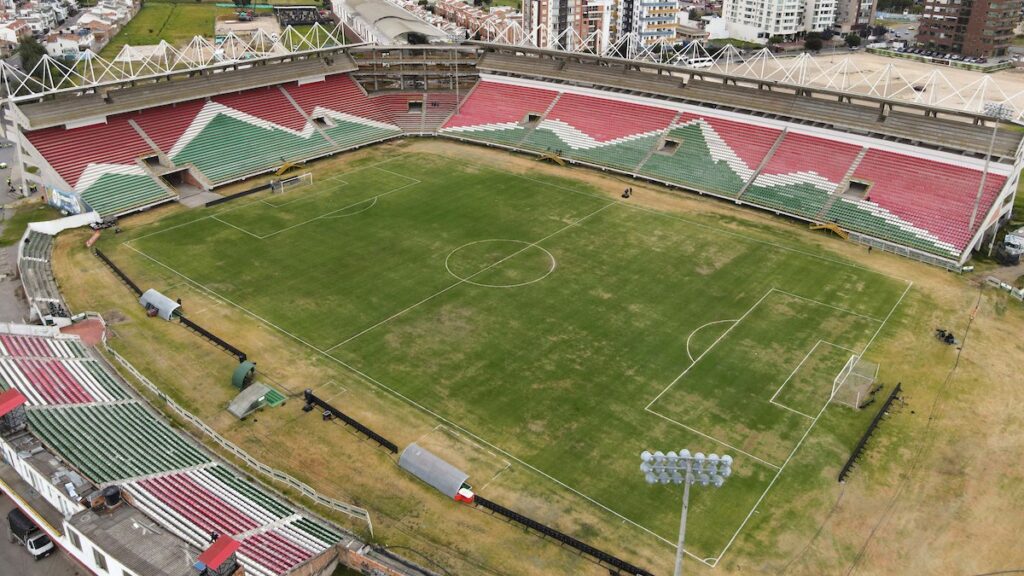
212	498
711	154
100	163
600	131
110	442
802	175
81	411
225	138
920	201
396	108
497	113
37	275
58	381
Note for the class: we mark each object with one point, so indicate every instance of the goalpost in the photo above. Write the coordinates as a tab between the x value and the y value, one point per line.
855	383
290	183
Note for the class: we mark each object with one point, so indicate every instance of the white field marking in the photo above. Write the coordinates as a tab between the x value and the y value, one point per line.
715	229
372	201
793	410
820	303
321	216
451	425
713	344
243	205
307	195
698	329
806	433
715	440
551	269
373	382
468	278
243	230
499	473
790	377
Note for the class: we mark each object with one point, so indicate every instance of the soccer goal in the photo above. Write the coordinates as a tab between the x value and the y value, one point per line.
855	383
293	182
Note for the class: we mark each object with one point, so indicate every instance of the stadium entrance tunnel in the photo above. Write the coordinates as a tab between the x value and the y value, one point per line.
500	263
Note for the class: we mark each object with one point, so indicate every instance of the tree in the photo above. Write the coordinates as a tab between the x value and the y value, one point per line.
852	40
827	34
31	52
813	42
776	39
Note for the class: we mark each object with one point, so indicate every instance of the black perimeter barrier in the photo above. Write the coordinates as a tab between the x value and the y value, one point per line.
867	433
311	399
213	338
124	277
603	557
188	323
224	199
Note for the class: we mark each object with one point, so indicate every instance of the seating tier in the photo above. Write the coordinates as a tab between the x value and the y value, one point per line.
70	151
109	442
932	195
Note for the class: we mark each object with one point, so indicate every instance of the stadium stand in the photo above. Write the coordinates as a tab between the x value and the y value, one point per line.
497	112
801	175
87	417
601	131
197	502
710	154
99	161
110	442
785	151
37	275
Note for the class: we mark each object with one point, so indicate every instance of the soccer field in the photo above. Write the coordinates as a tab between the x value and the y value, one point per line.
560	330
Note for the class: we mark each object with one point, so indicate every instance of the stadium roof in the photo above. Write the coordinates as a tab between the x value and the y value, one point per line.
64	108
394	22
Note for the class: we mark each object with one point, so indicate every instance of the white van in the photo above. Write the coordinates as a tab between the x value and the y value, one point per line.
699	62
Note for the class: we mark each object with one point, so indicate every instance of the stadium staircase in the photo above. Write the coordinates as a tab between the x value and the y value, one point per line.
80	410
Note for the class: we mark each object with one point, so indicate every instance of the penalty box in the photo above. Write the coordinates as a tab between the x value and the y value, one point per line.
729	394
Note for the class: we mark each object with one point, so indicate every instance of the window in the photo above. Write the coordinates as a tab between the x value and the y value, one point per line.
101	560
531	120
75	540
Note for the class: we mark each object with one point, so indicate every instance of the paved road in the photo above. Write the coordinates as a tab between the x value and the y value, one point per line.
16	561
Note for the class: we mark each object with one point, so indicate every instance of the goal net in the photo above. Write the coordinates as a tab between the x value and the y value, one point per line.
289	184
855	383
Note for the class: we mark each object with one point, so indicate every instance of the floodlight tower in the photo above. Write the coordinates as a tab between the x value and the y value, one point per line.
686	469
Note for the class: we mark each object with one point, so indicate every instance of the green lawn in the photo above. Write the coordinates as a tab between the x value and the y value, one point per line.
566	331
174	22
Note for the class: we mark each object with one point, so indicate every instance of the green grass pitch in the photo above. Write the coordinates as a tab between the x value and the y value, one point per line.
567	330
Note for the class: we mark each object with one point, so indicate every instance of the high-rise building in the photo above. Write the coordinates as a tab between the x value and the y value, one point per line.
754	20
969	27
653	21
569	23
855	14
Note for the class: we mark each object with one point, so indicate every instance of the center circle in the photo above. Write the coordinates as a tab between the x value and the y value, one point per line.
482	256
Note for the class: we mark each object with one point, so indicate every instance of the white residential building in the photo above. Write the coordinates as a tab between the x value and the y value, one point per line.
758	20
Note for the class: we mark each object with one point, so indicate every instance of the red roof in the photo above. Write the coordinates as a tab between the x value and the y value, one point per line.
10	400
218	552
